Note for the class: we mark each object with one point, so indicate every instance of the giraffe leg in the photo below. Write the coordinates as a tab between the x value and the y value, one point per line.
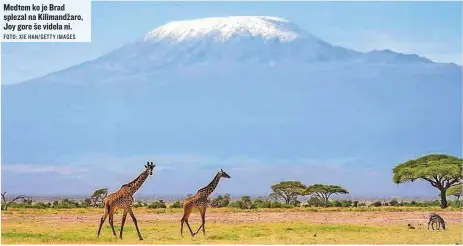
186	215
191	231
136	223
202	211
111	221
102	220
203	216
124	216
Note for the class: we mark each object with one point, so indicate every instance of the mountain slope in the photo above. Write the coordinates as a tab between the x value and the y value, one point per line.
259	88
230	41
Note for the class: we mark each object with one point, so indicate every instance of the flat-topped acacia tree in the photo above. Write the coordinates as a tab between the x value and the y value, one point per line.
288	190
323	192
440	170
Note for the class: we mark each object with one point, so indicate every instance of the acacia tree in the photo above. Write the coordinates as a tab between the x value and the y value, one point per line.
323	192
455	191
288	190
221	201
98	197
440	170
6	204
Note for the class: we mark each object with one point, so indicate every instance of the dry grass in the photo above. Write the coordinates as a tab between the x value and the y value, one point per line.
229	226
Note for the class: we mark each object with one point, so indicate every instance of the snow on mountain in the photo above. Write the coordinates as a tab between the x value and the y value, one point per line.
225	28
230	41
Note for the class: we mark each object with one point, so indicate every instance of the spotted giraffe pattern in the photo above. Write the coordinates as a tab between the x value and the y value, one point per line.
123	199
200	201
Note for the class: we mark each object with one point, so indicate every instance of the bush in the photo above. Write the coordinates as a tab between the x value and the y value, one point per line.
176	204
456	204
40	205
336	204
295	202
138	205
221	201
314	202
261	203
65	205
87	202
346	203
394	202
276	204
236	204
246	202
355	204
376	204
284	205
157	204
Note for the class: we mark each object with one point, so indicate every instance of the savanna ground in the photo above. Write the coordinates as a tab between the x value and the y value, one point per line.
385	225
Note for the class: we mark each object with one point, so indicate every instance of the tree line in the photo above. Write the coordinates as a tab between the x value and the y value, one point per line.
443	172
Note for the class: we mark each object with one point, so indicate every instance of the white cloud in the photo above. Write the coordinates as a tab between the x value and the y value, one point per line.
64	170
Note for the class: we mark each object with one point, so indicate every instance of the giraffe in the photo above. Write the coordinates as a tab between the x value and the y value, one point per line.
200	201
123	198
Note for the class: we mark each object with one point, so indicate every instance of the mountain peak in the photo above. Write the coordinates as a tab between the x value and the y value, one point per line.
224	28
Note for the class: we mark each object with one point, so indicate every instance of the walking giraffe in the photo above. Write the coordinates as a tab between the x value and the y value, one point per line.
123	198
200	201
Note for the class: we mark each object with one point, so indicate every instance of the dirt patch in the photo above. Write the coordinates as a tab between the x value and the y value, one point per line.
358	218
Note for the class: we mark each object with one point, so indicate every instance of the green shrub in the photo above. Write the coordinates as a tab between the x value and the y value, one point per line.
376	204
394	202
346	203
176	204
40	205
284	205
276	204
314	202
236	204
261	203
138	205
157	204
456	204
336	204
246	202
221	201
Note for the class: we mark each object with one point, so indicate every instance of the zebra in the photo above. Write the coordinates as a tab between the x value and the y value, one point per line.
436	219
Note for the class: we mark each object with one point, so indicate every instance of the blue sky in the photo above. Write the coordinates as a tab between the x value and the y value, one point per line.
431	29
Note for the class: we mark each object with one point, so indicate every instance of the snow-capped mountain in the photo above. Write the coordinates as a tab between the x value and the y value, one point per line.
254	86
226	28
230	41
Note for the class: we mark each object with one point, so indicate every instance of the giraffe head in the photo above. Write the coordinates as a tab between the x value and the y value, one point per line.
149	167
223	174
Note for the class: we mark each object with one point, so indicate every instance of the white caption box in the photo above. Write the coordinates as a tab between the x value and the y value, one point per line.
46	21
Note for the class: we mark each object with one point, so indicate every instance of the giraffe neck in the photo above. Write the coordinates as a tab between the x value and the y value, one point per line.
138	182
206	191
